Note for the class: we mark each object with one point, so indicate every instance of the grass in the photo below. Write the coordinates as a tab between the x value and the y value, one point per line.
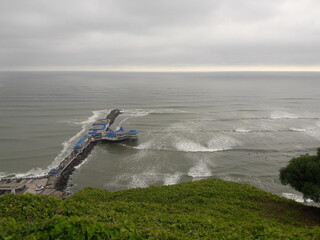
207	209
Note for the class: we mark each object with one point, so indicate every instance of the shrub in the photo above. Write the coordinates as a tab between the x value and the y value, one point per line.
207	209
303	174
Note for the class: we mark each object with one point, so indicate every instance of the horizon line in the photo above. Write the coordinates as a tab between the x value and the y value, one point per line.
165	69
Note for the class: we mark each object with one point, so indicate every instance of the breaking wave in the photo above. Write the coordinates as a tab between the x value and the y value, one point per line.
135	113
143	180
71	141
95	116
171	179
296	198
188	136
283	115
216	144
286	115
146	146
66	146
144	112
187	145
298	129
314	133
242	130
200	170
82	163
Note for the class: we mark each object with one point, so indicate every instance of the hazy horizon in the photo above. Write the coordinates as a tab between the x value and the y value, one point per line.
184	70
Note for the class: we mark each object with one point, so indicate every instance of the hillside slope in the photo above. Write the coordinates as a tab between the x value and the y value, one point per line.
207	209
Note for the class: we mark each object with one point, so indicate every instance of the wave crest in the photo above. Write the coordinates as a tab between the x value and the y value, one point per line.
219	143
283	115
298	129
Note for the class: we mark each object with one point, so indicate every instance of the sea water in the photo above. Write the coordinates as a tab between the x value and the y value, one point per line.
240	127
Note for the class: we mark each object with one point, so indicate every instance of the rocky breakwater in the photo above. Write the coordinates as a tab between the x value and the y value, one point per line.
63	177
62	174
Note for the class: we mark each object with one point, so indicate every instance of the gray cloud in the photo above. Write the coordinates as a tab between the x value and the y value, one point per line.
38	33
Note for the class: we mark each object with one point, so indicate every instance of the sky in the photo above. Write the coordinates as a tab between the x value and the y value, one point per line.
166	35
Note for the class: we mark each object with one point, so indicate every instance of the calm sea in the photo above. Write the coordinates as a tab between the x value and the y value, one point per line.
241	127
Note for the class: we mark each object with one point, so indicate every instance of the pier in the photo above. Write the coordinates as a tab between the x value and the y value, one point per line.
55	181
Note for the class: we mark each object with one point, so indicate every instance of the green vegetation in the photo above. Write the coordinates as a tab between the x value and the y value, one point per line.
303	174
207	209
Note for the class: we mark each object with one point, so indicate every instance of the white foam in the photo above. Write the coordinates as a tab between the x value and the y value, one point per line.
241	130
66	147
135	113
34	172
121	122
64	153
154	144
171	179
95	116
219	143
314	132
283	115
223	142
298	129
138	182
200	170
230	179
145	145
168	110
186	145
143	180
81	164
297	198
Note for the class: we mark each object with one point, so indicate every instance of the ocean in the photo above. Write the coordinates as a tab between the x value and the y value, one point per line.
240	126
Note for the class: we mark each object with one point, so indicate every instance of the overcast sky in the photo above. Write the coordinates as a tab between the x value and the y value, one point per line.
105	34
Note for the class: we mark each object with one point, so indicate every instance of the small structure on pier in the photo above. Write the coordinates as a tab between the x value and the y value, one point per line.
100	131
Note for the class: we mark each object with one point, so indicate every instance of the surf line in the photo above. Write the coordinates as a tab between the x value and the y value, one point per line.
55	182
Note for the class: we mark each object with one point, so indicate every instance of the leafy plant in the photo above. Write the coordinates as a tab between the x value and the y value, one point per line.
303	174
207	209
